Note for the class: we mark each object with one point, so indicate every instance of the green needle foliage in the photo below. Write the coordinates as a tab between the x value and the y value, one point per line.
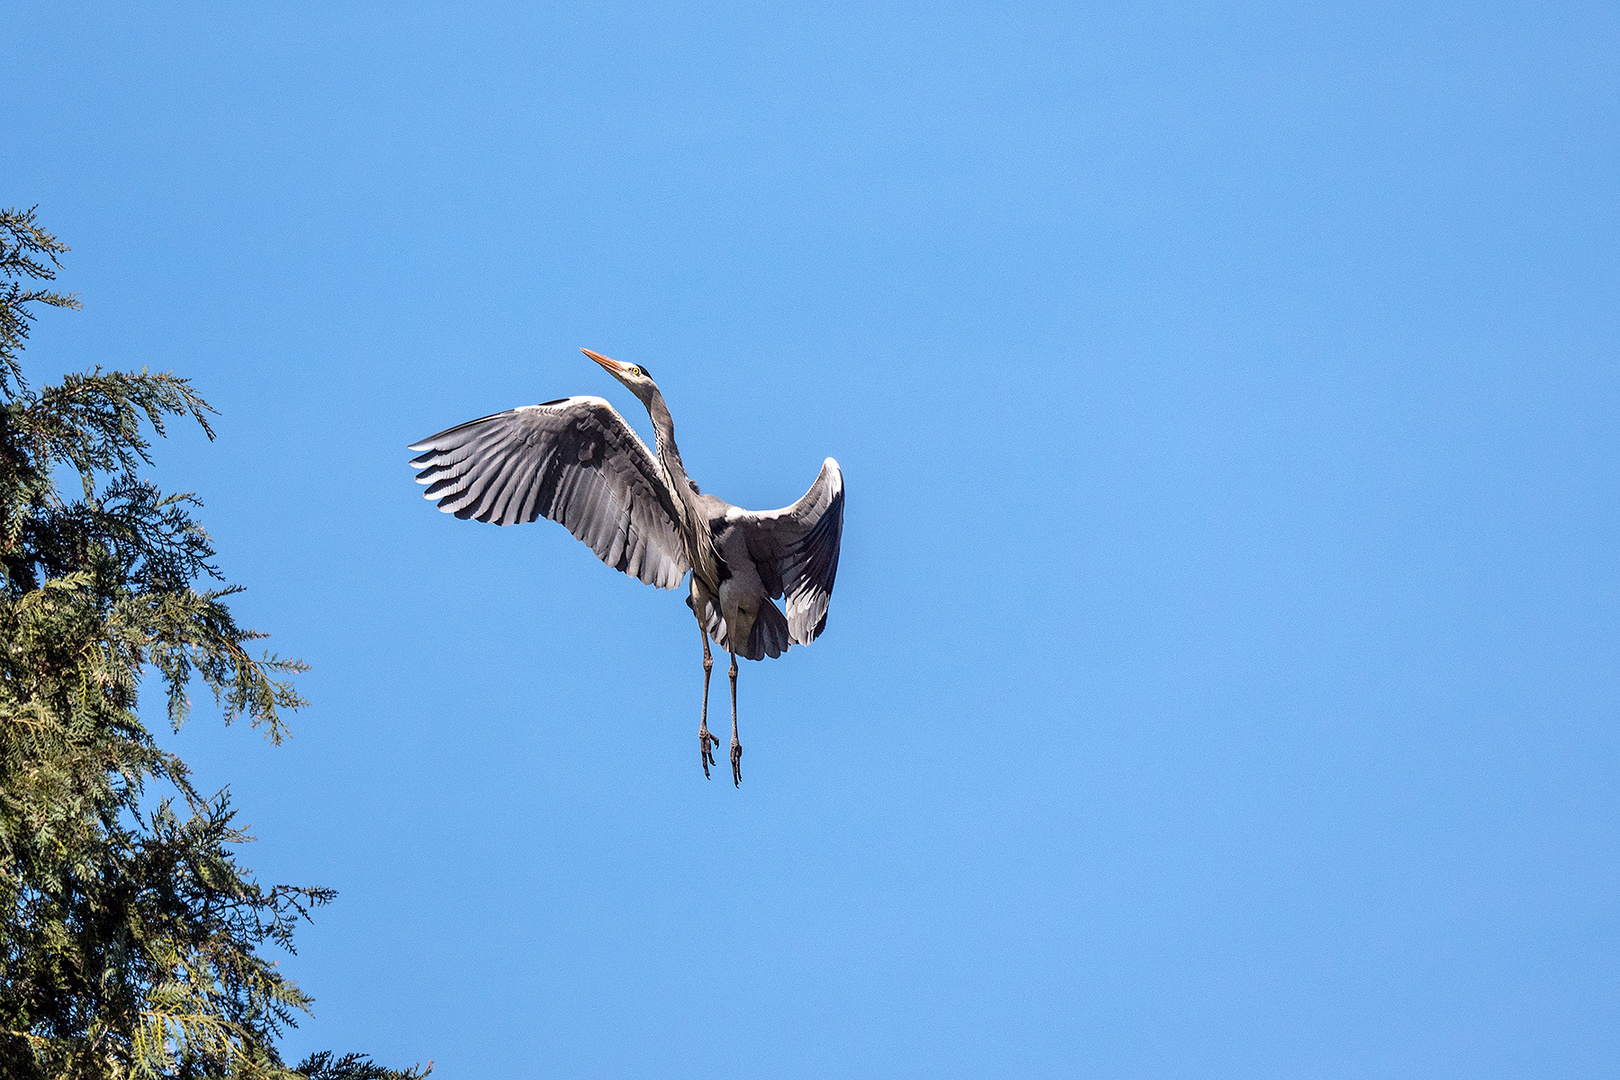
129	936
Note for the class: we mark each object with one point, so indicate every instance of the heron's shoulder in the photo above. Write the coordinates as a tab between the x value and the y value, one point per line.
566	404
582	410
717	509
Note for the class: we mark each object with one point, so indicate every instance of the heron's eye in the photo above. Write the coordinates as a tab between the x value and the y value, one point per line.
635	370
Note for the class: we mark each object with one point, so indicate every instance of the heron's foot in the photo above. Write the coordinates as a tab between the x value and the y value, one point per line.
736	762
706	745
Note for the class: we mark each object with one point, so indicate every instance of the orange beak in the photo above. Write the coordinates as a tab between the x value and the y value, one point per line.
613	366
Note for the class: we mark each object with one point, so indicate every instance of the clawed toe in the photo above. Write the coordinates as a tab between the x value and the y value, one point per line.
706	745
736	763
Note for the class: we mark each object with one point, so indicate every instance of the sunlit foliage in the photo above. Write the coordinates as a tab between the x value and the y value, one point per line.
130	938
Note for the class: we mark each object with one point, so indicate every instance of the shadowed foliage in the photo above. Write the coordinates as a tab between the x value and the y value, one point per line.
129	935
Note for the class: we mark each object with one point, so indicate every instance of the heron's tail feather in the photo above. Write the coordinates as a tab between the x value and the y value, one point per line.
769	637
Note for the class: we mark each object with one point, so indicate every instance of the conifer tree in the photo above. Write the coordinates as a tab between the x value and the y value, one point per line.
131	940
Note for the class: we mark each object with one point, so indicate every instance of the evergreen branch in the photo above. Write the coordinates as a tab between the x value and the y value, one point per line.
21	240
131	939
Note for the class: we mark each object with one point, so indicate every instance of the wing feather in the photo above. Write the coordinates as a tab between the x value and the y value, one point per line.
574	461
796	551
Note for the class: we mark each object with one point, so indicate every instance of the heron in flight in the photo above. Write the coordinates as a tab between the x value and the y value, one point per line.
576	461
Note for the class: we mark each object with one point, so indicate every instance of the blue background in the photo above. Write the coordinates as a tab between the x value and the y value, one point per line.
1221	679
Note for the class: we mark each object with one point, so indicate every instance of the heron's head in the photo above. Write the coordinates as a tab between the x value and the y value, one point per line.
637	379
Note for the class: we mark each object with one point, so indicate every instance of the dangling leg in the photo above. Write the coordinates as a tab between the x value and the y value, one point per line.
706	742
736	747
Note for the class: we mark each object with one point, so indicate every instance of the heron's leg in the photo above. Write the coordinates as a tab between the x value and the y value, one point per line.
736	746
706	742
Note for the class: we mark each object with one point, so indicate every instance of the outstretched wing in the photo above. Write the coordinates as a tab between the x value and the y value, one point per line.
796	551
573	460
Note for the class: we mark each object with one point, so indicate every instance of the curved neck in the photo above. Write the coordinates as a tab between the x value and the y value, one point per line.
669	455
700	546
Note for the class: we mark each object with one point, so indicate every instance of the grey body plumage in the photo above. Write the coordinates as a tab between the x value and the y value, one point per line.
577	462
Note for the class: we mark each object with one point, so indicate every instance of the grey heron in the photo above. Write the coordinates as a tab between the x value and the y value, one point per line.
576	461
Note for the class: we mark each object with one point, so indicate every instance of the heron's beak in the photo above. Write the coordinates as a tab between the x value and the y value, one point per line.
616	369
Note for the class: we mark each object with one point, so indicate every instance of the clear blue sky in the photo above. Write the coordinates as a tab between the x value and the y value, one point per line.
1222	674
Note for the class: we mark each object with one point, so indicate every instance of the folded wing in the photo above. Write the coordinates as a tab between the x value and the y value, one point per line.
575	461
796	551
